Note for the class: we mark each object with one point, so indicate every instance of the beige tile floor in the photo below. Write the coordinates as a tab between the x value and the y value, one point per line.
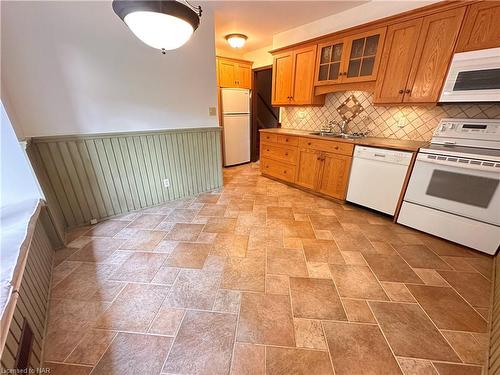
263	278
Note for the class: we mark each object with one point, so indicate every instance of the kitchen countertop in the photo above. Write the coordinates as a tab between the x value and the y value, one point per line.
396	144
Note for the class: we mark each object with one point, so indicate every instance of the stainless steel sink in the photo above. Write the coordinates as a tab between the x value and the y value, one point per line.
336	135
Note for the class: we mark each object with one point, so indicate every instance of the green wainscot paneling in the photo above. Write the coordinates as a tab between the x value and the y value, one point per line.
98	176
31	306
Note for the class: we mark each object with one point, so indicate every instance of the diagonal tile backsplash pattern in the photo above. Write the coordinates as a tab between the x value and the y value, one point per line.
420	121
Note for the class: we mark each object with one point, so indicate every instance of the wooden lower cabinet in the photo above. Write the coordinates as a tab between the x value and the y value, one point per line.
318	165
308	168
283	154
283	171
334	175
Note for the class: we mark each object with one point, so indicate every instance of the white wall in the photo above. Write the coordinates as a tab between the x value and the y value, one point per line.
363	13
17	180
73	67
260	57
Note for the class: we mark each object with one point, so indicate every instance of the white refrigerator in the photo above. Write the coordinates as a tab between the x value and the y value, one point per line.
235	105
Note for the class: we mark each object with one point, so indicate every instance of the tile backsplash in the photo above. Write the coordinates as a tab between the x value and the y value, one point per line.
419	121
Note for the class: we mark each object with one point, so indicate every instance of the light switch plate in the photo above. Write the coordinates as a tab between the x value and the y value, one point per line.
212	111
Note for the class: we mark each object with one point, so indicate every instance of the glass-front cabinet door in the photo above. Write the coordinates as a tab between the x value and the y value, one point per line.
330	62
351	59
364	52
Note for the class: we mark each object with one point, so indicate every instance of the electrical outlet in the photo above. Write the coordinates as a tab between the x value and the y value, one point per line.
301	115
402	122
212	111
166	183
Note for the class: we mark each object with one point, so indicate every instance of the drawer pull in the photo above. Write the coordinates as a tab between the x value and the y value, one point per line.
267	150
286	139
336	148
284	172
308	143
286	153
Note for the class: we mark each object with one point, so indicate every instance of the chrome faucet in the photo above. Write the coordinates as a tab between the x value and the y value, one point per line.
343	127
328	128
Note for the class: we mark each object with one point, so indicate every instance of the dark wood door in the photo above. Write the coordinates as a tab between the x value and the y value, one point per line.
264	115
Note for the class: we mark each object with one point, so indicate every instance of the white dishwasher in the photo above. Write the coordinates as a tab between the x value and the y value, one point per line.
377	177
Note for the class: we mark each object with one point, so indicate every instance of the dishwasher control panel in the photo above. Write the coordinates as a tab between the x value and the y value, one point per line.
382	154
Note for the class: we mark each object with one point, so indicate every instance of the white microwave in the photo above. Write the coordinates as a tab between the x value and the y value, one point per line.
473	77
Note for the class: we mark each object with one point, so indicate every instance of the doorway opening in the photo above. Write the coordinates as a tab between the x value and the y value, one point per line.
264	115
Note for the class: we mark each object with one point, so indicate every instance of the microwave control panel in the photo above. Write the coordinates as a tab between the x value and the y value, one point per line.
468	128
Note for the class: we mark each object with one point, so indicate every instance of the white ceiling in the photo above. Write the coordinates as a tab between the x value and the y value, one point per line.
260	20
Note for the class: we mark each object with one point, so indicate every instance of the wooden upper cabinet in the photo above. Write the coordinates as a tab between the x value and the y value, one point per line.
303	75
351	59
363	56
330	62
234	73
396	61
227	73
282	78
481	28
293	77
244	76
416	57
433	55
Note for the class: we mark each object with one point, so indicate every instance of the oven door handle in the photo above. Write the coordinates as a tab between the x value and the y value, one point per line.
477	167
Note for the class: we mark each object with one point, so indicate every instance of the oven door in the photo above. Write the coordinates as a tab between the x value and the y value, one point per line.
473	77
465	187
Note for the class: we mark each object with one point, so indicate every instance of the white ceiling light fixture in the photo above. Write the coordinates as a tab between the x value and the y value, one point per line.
164	25
236	40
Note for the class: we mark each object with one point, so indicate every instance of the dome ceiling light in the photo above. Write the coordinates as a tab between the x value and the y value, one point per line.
164	25
236	40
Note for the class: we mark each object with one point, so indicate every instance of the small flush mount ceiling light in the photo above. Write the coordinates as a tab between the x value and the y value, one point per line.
164	25
236	40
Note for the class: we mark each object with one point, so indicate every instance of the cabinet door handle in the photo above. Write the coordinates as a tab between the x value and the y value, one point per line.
286	139
267	149
407	91
336	148
308	143
401	91
286	153
318	158
284	172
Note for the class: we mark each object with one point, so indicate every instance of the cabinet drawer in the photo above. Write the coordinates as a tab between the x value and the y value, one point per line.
267	137
280	153
288	140
277	169
342	148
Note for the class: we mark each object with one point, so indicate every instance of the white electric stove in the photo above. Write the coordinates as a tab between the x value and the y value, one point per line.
454	190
